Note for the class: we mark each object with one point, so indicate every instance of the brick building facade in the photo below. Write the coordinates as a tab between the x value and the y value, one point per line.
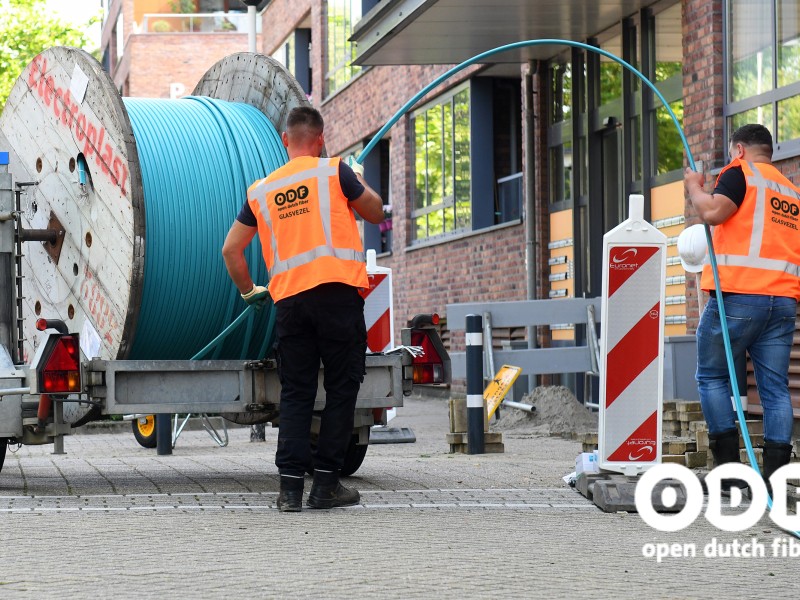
151	51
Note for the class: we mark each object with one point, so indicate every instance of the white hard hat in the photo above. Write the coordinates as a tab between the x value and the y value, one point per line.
693	248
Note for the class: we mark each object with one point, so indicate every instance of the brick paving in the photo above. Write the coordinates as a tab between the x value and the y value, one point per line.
112	519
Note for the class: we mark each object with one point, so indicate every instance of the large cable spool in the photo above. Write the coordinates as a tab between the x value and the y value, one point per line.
121	247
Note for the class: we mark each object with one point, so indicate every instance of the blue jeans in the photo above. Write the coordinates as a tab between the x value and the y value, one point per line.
763	326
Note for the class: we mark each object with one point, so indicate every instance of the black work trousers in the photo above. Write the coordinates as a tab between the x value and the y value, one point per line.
325	323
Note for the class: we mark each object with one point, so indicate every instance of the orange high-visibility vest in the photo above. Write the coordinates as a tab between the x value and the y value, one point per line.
307	229
758	247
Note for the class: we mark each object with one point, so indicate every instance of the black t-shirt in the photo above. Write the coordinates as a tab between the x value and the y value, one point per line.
733	185
351	187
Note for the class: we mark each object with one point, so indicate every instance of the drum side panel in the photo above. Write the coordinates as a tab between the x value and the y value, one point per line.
64	110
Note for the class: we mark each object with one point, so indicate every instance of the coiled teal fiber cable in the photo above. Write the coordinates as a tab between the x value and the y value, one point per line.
712	256
198	156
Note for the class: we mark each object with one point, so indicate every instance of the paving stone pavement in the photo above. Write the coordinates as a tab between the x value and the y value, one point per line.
111	519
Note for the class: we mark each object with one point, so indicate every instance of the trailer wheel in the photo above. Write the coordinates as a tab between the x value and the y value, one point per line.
354	456
352	459
144	430
3	446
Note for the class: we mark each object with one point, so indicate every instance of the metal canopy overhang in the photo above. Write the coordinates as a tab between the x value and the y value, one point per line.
417	32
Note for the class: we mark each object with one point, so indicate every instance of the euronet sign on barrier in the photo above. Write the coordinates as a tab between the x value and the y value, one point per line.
779	547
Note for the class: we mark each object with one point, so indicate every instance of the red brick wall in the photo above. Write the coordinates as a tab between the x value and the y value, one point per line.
174	58
790	168
280	19
703	100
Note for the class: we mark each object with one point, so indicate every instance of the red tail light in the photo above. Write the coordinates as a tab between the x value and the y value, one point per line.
62	370
428	368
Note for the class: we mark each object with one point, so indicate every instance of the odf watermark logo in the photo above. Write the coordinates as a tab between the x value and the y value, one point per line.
694	497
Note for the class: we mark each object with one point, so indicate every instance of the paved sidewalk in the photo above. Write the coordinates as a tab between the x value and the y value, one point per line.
112	519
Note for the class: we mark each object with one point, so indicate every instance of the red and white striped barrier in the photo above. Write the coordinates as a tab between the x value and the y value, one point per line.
632	338
378	306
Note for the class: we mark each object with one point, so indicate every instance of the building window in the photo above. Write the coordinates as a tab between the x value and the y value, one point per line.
563	85
561	173
669	147
763	69
561	92
285	53
293	53
342	16
120	39
507	145
669	81
611	72
442	203
377	173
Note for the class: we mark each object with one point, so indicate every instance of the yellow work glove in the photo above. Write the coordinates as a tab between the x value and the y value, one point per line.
358	169
257	297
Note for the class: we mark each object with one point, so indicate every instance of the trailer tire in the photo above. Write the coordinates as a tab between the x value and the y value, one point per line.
145	433
3	446
353	457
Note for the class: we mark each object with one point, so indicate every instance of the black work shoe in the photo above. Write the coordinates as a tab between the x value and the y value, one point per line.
775	456
332	496
290	501
727	484
290	498
725	449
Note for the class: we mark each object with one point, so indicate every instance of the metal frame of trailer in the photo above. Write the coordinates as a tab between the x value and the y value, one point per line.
222	386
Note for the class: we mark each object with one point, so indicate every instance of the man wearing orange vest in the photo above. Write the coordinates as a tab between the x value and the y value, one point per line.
303	213
755	212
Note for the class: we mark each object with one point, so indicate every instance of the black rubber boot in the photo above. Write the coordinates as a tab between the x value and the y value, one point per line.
775	456
725	448
327	492
290	498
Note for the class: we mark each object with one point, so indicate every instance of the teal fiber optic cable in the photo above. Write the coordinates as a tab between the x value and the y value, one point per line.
198	156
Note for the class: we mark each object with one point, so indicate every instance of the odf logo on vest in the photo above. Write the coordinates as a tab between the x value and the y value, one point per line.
782	210
300	193
694	497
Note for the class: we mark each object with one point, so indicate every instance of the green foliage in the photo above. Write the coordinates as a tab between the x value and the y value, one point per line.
669	148
161	26
27	28
610	81
183	6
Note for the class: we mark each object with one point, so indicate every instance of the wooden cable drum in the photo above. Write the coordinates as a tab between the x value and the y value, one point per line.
137	268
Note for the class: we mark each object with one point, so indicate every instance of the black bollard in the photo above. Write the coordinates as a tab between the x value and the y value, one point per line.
475	405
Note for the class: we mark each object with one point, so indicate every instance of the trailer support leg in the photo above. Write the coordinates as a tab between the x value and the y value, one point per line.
163	434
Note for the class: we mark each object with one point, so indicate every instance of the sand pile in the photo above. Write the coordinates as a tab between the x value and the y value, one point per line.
557	412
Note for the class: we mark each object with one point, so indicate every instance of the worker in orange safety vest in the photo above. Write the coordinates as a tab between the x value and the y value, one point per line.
755	211
303	213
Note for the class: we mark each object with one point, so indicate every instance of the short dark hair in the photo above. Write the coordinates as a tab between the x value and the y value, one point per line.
306	116
753	135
